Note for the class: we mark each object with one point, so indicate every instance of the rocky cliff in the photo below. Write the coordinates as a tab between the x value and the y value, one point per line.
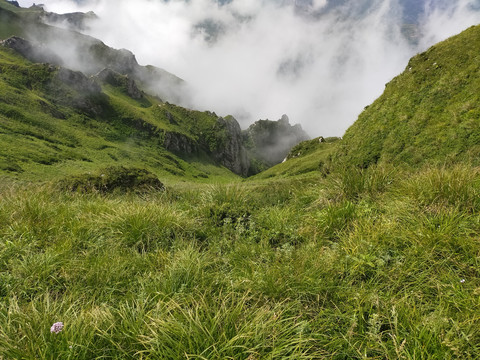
231	152
269	142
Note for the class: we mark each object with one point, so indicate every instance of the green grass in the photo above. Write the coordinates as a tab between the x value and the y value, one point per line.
338	253
428	114
49	129
305	267
311	156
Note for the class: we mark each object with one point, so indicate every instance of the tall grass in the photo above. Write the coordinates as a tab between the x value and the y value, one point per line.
320	269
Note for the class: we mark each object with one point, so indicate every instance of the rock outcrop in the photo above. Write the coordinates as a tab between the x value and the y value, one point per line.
72	21
179	143
73	88
113	78
14	3
269	142
31	51
78	81
224	145
232	153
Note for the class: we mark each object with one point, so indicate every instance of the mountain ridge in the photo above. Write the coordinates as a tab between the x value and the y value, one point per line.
97	90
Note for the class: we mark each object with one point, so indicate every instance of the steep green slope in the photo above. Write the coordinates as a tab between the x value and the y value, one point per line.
428	114
85	53
311	156
54	122
9	21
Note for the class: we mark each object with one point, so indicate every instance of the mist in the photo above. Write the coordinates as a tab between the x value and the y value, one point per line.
320	62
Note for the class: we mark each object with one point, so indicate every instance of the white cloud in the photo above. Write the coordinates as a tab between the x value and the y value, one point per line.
450	19
319	4
270	59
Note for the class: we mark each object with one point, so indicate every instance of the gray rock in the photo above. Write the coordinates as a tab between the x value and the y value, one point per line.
232	154
113	78
78	81
269	142
30	51
179	143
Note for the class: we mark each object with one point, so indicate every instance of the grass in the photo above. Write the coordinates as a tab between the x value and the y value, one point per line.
306	267
306	157
48	132
338	253
428	114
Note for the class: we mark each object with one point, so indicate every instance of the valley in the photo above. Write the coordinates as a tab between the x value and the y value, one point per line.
152	230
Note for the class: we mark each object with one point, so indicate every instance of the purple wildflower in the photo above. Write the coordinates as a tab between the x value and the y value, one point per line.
57	327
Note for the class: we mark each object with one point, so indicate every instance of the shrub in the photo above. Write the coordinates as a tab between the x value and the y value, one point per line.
113	179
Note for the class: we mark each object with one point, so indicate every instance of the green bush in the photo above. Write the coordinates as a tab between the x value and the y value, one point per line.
113	179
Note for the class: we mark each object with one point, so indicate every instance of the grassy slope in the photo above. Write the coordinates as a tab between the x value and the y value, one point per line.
373	265
311	156
428	114
377	263
42	137
11	22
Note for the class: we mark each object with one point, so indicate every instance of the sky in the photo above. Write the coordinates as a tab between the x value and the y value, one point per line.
258	59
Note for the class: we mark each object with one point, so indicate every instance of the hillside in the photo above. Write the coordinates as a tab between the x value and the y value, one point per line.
427	115
56	121
85	53
107	86
311	259
308	157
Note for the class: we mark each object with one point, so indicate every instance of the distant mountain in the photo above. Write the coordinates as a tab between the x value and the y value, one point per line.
269	142
75	100
54	121
81	52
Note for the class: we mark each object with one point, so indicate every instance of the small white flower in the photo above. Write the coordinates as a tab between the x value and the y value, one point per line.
462	281
57	327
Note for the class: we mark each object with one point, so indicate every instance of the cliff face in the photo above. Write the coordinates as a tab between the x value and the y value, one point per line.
269	142
224	144
232	153
179	143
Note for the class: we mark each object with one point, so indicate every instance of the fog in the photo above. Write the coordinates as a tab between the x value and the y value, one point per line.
321	62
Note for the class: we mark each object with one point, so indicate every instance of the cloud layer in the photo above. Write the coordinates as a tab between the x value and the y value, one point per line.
318	63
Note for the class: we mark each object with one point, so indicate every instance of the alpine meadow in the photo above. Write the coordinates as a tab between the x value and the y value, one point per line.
136	226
